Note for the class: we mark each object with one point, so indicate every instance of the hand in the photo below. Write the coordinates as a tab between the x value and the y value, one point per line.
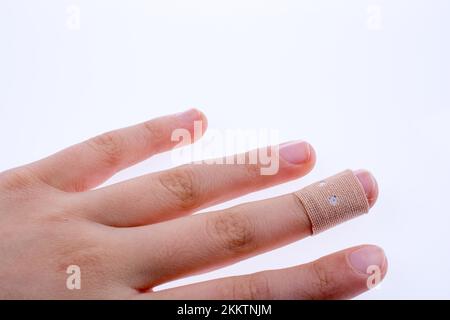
127	238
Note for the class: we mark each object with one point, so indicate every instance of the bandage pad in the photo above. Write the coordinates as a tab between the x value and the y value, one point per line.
333	201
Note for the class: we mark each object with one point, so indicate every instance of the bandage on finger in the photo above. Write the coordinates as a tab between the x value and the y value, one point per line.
333	201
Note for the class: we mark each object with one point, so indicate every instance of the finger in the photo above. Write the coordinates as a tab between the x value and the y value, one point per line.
208	241
177	192
90	163
341	275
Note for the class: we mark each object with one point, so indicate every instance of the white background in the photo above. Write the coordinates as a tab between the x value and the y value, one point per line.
366	82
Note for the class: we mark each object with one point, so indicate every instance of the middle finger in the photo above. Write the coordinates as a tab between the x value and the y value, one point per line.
177	192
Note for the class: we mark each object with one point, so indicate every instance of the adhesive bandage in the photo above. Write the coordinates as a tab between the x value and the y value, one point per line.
333	201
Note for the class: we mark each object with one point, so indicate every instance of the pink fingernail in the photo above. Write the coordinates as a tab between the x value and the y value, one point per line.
369	184
366	257
189	115
296	152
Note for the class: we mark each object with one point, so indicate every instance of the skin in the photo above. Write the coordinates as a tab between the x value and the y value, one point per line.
130	237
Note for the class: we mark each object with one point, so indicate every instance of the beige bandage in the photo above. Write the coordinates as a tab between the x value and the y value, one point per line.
333	201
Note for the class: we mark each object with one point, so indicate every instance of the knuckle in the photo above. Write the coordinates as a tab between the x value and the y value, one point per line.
180	184
233	231
70	246
258	287
16	179
109	146
251	287
322	282
89	256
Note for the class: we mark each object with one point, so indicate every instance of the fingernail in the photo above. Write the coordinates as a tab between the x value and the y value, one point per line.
189	115
369	184
296	152
367	256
